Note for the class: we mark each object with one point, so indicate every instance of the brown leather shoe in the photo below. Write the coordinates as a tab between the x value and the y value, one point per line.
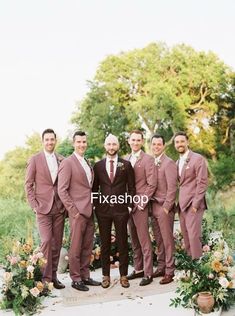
168	278
158	273
124	282
105	282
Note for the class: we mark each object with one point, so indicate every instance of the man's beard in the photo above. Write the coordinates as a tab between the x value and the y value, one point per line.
112	154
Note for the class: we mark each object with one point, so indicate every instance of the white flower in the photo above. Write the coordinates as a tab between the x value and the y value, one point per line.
224	282
231	272
40	255
218	255
30	269
7	277
24	291
35	291
211	276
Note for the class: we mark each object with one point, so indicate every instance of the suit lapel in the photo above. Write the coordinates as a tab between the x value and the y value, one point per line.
117	170
184	167
104	170
45	166
80	168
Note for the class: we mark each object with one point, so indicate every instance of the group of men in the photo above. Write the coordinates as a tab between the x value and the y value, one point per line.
120	192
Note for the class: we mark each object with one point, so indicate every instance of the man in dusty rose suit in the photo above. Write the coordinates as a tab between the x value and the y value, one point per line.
41	190
75	181
114	179
146	182
193	181
163	210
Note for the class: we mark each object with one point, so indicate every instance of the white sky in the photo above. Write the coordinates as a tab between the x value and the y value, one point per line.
49	48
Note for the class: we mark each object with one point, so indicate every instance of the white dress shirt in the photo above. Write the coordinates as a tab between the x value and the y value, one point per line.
134	157
182	160
86	167
52	164
107	165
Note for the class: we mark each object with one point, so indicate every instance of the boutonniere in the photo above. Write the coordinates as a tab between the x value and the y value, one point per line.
186	163
158	163
120	165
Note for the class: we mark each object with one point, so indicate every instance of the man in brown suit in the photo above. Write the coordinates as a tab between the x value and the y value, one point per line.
163	204
114	179
75	181
146	182
41	192
193	181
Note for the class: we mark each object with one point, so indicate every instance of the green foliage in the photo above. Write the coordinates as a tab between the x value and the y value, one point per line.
65	148
223	171
17	221
162	89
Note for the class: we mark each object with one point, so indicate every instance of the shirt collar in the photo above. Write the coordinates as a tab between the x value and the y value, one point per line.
137	154
185	155
78	156
115	159
158	158
49	154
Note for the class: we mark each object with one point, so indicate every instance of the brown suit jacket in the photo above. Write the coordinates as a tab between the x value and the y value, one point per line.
73	187
193	182
124	182
167	178
40	190
145	176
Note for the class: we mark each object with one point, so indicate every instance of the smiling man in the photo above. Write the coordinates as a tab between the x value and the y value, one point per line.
145	182
163	213
74	187
114	177
41	190
193	181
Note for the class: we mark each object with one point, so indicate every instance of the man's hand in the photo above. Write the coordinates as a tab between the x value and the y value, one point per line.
165	210
194	209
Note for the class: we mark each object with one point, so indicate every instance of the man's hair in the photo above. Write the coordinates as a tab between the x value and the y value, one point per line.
136	131
48	131
158	136
180	133
78	133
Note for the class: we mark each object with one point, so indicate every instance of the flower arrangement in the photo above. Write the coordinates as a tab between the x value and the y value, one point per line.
22	288
213	272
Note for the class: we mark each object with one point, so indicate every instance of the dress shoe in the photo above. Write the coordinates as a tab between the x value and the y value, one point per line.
168	278
135	275
80	286
57	284
124	282
146	280
105	282
90	281
158	273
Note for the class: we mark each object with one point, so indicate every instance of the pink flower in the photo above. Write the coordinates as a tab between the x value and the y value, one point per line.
13	260
35	291
206	248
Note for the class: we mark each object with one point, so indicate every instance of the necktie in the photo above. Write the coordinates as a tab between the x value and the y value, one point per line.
133	160
111	175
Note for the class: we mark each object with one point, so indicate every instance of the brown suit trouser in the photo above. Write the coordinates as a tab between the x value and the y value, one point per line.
51	229
105	225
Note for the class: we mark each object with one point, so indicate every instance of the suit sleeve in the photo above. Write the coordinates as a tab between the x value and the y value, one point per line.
30	183
151	178
130	182
96	185
64	178
171	180
201	182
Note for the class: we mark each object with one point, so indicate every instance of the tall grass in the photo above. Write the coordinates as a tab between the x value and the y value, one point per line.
17	221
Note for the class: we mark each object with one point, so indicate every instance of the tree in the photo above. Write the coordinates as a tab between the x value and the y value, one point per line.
158	89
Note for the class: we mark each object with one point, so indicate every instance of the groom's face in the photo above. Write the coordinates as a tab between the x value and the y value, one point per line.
111	147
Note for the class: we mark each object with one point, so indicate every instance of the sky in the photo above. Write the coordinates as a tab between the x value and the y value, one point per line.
50	48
